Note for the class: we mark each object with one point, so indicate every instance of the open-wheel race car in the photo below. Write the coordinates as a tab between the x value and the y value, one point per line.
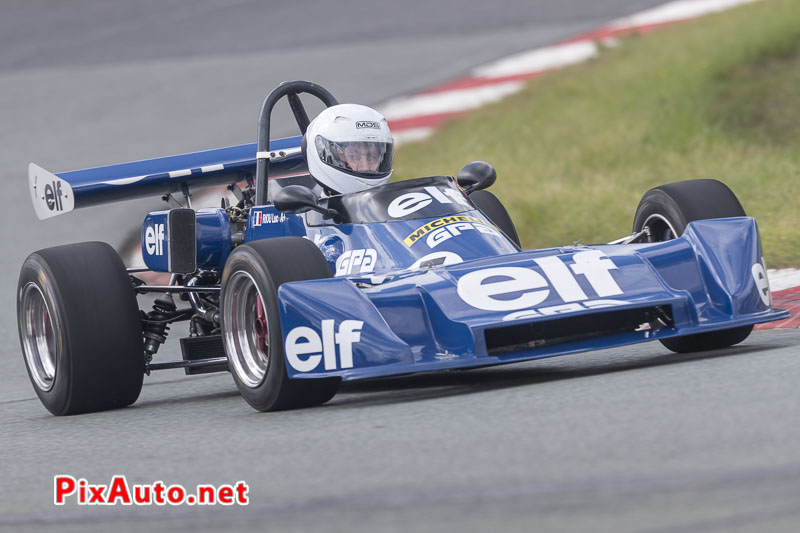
293	291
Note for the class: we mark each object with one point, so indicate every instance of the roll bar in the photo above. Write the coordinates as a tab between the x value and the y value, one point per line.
292	90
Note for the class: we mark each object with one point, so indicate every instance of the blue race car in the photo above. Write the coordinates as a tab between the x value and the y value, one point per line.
293	293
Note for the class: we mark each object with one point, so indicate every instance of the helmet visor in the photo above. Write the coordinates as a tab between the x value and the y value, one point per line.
365	159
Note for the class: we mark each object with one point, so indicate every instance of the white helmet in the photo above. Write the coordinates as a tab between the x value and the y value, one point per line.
348	148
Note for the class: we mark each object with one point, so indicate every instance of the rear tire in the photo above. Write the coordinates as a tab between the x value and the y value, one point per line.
251	329
491	206
80	329
666	211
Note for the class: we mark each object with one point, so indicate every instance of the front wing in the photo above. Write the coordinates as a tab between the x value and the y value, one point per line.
527	305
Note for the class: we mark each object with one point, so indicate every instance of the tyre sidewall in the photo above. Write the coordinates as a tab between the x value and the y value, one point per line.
100	363
657	202
686	201
36	271
265	394
270	263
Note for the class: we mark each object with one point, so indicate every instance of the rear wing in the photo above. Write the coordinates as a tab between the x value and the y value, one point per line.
55	194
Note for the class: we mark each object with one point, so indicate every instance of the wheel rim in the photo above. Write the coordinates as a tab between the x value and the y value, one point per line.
246	331
660	229
39	337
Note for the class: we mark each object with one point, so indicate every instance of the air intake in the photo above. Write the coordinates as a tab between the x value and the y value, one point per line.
604	323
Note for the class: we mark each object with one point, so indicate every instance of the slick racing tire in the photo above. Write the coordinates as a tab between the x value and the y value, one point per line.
251	328
80	329
492	208
666	211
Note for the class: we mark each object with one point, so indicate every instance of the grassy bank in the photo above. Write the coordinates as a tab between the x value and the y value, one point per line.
713	98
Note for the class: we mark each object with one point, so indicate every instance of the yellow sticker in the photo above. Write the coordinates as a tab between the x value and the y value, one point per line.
438	223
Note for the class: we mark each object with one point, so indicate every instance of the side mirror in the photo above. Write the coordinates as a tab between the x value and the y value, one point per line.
297	199
476	176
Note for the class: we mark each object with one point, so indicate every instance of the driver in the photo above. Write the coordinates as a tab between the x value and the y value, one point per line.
348	148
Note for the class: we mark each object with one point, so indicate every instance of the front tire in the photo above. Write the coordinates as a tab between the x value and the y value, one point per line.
666	211
79	328
251	329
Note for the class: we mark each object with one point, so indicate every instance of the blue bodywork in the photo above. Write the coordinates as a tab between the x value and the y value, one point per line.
710	278
423	280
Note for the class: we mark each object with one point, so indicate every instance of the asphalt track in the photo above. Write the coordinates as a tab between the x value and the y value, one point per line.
634	439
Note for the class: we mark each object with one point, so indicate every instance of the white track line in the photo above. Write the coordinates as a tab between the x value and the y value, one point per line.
538	60
531	62
675	11
411	135
783	279
458	100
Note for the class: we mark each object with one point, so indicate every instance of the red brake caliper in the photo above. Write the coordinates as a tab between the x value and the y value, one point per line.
261	326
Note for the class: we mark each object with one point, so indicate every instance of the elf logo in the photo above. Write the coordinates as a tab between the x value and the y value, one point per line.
53	195
411	202
305	349
154	239
515	288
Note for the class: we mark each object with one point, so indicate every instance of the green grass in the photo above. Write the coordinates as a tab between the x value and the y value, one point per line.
717	97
